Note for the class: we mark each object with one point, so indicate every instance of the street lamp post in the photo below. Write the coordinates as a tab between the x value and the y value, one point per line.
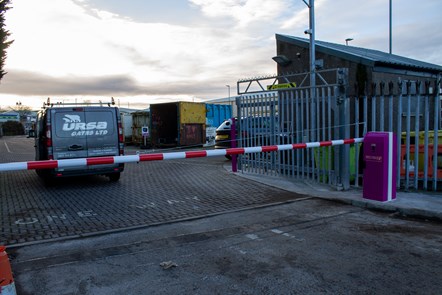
228	87
391	30
311	31
348	40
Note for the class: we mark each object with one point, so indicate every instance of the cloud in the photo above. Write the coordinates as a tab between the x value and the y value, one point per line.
31	83
243	12
71	47
25	83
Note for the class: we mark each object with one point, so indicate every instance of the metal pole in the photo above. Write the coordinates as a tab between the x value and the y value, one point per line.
391	33
312	67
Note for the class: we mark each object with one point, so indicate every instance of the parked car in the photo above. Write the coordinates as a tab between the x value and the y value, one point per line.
79	132
256	131
222	136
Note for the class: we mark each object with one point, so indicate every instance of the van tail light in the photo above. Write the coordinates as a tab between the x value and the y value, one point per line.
48	142
120	139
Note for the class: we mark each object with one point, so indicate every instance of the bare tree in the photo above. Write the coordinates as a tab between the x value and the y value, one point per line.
23	110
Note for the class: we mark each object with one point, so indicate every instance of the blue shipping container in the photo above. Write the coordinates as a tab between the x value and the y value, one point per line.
217	113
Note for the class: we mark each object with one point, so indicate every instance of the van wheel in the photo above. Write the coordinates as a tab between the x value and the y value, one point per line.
114	177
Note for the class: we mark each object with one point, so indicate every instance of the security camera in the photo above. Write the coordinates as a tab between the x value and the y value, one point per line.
308	32
298	55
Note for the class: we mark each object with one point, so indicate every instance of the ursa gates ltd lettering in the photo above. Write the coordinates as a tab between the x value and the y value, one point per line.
73	123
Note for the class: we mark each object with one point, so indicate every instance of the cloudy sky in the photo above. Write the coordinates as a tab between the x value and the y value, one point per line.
143	51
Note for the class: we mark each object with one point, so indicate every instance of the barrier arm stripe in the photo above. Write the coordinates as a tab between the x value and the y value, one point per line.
214	153
235	151
73	162
13	166
100	160
270	148
127	159
42	164
196	154
299	146
251	150
151	157
52	164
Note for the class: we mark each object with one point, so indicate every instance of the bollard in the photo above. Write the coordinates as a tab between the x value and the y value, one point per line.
233	145
7	285
380	154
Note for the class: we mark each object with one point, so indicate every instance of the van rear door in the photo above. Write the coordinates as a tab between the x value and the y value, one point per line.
68	134
82	132
102	132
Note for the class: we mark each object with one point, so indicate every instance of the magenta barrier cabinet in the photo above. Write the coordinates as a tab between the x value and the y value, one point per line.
379	180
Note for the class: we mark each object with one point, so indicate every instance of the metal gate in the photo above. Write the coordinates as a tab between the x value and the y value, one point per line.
412	110
298	115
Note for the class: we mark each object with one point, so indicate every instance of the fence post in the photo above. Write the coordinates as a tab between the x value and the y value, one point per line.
343	181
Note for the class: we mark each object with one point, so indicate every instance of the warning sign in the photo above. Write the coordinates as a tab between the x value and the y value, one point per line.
281	86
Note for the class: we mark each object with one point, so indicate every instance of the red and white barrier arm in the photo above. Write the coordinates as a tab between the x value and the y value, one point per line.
81	162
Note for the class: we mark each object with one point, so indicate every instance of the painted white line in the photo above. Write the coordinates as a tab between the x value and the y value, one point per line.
87	213
280	232
7	148
28	220
253	237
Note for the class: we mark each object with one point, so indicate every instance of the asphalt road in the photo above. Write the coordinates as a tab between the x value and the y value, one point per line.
309	246
219	233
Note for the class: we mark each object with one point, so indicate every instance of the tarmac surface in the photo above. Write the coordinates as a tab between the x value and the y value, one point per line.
307	246
286	237
425	205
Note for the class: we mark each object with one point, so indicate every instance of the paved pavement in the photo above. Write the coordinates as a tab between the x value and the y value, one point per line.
426	205
147	194
252	248
154	193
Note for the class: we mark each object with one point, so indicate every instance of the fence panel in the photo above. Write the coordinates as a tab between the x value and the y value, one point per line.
413	114
293	116
410	109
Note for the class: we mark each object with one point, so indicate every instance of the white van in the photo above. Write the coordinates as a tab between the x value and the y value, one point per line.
79	132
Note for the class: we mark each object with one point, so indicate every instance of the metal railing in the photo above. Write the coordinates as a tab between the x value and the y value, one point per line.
411	109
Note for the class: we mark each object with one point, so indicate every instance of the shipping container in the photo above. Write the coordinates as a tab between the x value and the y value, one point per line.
139	120
126	120
178	124
216	114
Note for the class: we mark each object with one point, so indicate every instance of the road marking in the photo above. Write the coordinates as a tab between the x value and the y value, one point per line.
52	217
7	148
26	221
253	237
171	202
88	213
277	231
280	232
150	205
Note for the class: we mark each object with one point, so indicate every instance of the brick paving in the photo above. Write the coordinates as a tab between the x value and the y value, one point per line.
147	194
